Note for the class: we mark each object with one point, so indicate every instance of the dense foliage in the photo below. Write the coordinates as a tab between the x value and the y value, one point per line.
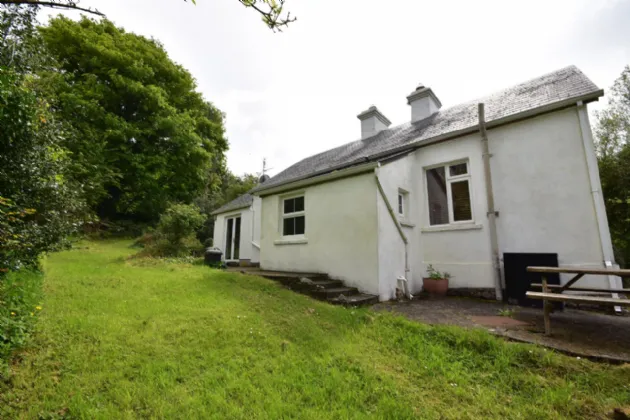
40	205
613	147
175	235
142	135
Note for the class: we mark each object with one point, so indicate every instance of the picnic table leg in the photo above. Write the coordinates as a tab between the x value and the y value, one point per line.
546	307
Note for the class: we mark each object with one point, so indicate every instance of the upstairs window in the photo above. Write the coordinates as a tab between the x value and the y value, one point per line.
293	216
448	193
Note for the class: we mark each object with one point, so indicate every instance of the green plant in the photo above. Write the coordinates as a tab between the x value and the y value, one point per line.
434	274
507	312
20	294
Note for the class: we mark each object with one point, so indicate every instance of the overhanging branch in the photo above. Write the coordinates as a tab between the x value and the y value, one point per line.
59	4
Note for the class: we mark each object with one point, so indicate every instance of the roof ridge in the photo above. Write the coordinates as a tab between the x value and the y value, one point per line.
549	88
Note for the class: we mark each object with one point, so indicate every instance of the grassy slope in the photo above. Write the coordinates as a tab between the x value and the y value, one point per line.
120	340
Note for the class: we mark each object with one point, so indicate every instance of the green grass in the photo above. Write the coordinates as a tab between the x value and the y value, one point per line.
120	338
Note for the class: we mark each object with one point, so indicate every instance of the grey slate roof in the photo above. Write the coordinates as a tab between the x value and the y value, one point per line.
563	84
239	202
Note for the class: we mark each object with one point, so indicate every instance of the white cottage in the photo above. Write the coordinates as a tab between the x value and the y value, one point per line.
237	230
382	208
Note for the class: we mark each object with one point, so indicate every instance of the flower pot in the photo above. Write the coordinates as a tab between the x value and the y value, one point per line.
435	286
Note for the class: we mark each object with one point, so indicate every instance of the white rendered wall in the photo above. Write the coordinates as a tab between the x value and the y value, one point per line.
340	233
255	239
542	191
462	250
395	176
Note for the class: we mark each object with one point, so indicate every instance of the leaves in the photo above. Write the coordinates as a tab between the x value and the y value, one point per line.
141	135
612	132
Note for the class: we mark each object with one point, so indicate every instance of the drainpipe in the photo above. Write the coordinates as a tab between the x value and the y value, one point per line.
390	210
598	199
492	213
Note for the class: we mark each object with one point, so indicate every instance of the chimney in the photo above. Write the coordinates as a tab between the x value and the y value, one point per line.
372	122
423	103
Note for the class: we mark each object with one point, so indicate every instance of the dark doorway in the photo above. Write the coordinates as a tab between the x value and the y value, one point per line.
518	281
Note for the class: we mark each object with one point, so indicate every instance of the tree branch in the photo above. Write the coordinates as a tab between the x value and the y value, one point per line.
67	4
272	16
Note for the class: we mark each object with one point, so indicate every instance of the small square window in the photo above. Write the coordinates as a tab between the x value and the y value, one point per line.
293	218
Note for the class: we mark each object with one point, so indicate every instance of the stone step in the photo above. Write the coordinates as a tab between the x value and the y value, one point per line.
354	300
334	292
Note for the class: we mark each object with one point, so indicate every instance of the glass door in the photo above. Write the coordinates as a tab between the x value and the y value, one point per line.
232	238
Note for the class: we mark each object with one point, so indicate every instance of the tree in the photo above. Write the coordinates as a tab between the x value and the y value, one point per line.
39	204
142	136
612	132
271	11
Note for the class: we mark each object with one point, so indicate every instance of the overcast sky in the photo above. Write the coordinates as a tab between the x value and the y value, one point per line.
289	95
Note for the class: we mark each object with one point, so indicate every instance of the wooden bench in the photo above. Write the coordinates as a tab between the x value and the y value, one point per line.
554	292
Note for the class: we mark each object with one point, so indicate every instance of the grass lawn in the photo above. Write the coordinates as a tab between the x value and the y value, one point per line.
121	338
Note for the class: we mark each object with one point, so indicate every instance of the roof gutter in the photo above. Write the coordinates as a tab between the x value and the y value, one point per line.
530	113
312	180
219	211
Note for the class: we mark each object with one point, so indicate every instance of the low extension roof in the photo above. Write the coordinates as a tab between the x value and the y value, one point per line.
239	202
541	94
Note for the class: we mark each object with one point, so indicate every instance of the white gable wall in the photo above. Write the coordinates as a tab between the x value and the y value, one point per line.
542	191
340	235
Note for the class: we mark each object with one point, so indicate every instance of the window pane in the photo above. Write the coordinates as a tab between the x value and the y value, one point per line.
289	226
299	203
300	225
459	169
401	201
289	205
228	239
436	191
237	238
461	201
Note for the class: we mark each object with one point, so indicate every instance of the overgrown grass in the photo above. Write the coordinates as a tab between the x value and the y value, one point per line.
121	339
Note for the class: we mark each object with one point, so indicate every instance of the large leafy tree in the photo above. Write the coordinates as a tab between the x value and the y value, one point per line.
613	147
142	136
39	204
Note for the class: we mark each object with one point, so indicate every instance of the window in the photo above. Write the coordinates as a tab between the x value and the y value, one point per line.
293	216
448	192
402	203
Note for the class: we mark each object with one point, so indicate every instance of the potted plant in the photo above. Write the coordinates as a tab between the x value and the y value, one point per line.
437	282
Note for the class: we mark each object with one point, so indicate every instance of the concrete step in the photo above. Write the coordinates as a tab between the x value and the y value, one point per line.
359	299
334	292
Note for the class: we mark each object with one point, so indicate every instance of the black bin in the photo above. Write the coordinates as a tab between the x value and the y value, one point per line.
212	256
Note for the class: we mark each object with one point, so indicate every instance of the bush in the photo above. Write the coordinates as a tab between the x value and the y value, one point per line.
175	233
20	294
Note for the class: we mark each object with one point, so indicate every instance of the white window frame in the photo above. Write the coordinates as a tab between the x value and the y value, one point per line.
233	216
449	194
404	195
284	215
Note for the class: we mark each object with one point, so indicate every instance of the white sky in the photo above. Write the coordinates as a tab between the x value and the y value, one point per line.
293	94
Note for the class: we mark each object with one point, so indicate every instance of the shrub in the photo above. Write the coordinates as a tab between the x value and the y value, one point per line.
175	233
20	294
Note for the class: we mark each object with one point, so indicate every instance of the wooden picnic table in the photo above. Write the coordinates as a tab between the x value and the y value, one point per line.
554	292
